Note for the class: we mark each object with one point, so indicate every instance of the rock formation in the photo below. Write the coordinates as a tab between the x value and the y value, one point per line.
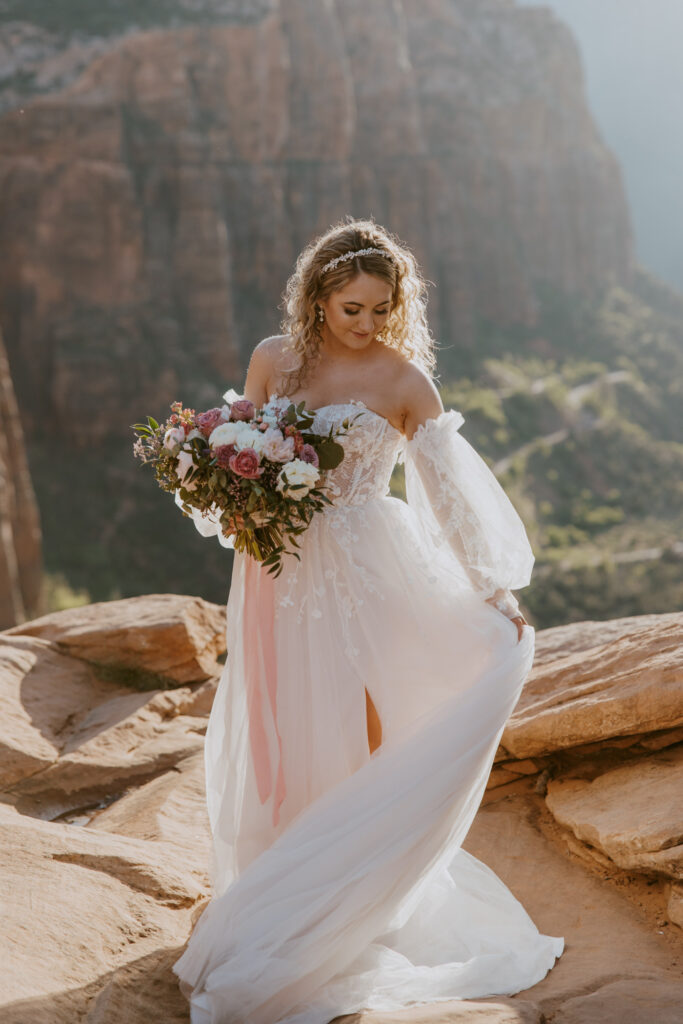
20	538
153	206
106	839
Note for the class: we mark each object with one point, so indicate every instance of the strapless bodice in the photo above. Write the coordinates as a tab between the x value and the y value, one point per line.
371	448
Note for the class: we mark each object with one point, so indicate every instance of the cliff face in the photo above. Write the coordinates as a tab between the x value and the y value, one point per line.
152	208
20	542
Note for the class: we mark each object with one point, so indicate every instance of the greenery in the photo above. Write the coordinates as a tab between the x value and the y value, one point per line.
106	17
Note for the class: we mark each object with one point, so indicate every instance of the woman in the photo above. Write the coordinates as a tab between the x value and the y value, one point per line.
366	687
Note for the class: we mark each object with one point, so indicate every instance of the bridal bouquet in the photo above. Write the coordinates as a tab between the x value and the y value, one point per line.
257	472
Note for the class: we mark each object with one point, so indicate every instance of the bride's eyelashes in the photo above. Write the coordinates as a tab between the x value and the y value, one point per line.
379	312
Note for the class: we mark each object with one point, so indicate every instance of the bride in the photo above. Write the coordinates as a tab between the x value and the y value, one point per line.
366	688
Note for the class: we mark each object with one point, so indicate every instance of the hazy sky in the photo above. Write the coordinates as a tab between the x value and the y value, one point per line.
632	52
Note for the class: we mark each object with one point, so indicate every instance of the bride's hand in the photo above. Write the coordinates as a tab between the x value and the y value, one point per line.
236	523
508	606
520	623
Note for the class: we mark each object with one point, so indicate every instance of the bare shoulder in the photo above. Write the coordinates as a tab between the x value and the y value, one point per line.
419	397
271	350
268	360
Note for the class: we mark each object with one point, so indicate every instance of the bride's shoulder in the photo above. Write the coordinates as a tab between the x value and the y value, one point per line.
419	396
275	351
269	359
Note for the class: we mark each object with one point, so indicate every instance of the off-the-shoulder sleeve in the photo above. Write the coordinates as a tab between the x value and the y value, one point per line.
459	501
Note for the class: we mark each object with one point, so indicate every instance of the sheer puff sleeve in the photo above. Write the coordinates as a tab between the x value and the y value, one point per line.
459	501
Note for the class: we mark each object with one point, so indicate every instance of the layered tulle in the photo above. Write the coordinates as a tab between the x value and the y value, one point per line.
339	879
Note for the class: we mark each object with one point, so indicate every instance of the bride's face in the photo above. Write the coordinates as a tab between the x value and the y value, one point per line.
357	312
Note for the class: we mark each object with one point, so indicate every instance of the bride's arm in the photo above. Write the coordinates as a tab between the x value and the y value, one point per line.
458	498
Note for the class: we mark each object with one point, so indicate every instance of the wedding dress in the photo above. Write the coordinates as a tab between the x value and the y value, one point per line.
339	880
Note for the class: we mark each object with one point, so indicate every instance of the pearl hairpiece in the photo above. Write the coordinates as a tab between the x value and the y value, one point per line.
349	255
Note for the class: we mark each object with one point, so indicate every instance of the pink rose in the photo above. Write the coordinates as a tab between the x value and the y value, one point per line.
246	463
242	409
206	421
223	453
309	454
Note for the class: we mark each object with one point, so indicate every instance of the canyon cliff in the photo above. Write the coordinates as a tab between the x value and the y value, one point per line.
157	185
20	537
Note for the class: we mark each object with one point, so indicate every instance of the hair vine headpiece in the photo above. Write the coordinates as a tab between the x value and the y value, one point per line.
354	252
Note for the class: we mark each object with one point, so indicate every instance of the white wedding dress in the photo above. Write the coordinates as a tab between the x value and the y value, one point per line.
339	880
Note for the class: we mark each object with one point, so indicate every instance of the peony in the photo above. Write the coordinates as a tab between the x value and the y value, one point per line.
246	463
173	436
206	421
228	433
309	454
184	466
297	472
276	447
252	438
242	409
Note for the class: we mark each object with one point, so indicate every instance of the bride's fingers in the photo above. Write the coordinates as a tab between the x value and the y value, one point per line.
235	523
520	623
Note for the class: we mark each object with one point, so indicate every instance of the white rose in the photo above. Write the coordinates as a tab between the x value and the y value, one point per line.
297	472
251	439
277	447
227	433
185	464
173	436
270	418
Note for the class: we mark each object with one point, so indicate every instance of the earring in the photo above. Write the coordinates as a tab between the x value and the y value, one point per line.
321	315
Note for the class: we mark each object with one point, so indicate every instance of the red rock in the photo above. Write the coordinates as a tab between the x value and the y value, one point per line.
20	536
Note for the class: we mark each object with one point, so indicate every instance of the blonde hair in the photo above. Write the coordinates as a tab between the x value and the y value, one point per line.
406	328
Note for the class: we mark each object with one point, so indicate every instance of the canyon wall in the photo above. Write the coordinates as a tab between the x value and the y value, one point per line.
156	186
20	538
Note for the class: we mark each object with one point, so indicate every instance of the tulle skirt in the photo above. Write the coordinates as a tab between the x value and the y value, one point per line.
338	876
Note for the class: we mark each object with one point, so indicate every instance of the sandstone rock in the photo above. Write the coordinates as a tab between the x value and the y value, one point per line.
174	637
631	684
461	1011
20	536
100	902
170	808
42	694
634	814
675	904
573	637
115	900
606	937
69	740
641	1001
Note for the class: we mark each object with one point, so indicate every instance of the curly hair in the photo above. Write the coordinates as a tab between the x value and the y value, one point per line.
406	328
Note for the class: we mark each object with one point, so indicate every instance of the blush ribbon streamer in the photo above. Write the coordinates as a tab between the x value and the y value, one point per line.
260	666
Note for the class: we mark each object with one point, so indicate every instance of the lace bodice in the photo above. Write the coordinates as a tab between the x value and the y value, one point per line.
371	447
